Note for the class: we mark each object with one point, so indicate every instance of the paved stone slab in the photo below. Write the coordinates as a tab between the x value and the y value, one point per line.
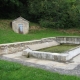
62	68
43	45
52	64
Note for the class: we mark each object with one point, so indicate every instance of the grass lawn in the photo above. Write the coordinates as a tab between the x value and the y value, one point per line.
7	35
15	71
59	49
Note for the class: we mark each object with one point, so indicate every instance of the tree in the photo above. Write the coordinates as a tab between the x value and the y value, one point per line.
55	13
13	8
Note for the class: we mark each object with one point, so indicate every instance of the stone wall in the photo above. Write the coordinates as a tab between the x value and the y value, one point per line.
72	53
19	46
46	55
39	54
69	39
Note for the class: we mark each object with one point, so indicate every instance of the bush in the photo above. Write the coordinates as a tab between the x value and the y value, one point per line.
46	23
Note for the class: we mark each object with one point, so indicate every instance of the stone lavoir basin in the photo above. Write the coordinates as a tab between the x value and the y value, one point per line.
30	48
63	53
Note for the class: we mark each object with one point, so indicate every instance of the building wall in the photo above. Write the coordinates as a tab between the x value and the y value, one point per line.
15	25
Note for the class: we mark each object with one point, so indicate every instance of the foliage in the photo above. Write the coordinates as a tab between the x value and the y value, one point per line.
56	13
49	13
13	8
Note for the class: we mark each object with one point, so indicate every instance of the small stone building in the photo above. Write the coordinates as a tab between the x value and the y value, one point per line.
20	25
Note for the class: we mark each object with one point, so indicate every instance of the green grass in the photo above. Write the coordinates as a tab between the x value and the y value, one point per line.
59	49
15	71
7	35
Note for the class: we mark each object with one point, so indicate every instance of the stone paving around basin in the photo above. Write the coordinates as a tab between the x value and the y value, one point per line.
72	68
51	64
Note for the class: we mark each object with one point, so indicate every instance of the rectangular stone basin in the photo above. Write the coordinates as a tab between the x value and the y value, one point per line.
64	57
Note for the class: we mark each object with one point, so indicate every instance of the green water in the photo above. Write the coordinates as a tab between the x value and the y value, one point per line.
60	48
